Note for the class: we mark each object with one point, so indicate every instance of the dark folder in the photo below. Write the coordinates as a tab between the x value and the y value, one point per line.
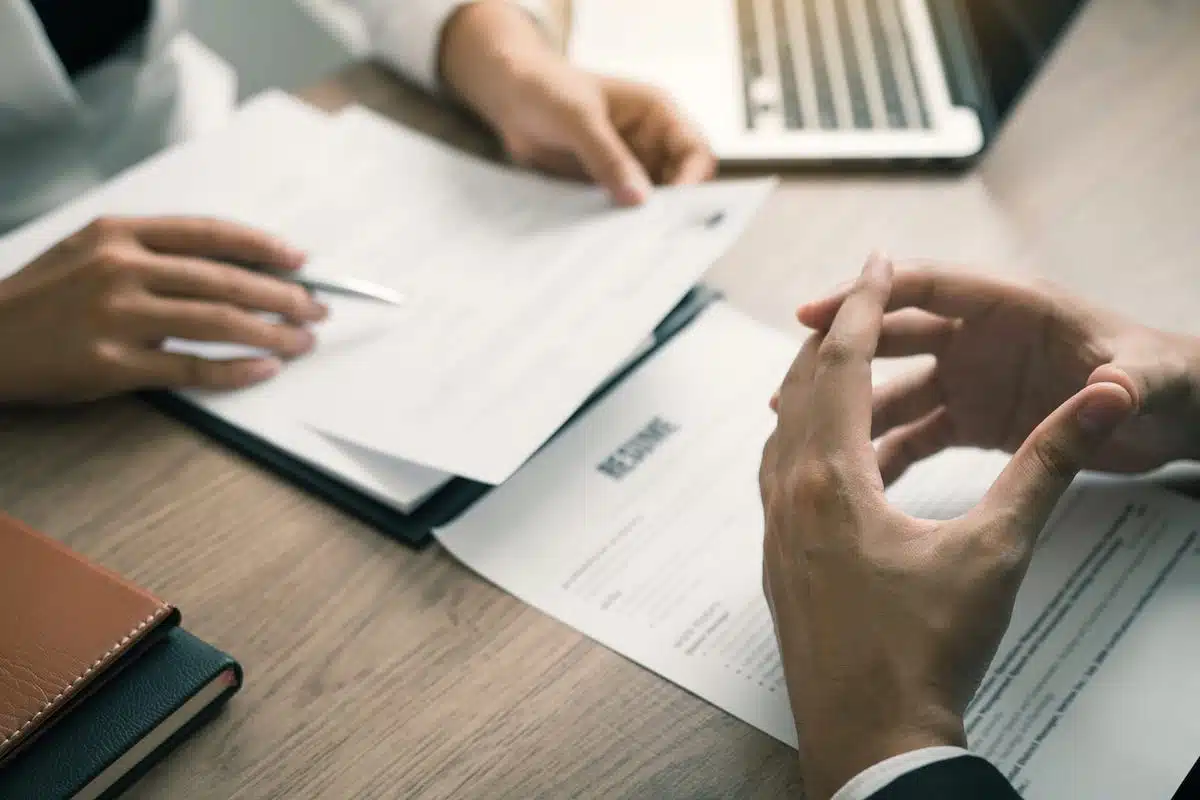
444	505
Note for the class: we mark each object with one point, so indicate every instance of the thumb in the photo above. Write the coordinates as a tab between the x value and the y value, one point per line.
1139	387
607	159
1048	460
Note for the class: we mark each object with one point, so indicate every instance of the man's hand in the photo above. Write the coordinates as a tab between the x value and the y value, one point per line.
550	115
88	317
1007	356
887	623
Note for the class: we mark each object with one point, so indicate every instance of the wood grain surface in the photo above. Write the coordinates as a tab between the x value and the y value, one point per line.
376	671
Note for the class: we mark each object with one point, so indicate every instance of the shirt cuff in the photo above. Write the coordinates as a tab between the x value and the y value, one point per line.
872	780
407	34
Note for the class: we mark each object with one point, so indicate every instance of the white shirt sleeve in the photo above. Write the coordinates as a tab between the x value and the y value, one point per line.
407	34
873	779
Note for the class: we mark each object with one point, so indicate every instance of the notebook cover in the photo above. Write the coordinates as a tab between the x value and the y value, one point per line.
414	528
118	715
66	624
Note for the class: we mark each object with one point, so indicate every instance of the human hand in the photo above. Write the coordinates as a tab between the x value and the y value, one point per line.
553	116
1007	356
887	623
88	317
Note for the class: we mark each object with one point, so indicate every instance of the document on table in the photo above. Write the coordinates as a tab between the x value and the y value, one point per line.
1095	691
641	527
523	294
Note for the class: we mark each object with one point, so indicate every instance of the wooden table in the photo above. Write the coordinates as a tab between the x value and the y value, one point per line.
376	671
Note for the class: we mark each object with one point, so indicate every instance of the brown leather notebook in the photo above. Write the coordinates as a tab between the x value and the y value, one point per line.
66	625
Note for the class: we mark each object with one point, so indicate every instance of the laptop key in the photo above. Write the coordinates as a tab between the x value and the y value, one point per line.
828	65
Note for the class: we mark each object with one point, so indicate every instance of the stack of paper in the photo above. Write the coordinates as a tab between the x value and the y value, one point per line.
523	293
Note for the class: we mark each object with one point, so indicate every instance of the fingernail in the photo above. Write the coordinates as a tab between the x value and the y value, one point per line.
878	265
637	188
304	341
264	368
312	311
1104	411
291	259
1110	373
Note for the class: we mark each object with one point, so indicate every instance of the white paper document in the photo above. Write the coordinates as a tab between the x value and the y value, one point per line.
523	294
1095	691
641	526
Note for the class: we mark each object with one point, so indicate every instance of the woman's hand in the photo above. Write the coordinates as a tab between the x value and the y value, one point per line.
88	317
551	115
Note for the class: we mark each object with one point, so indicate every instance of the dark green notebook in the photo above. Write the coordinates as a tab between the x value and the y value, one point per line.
121	730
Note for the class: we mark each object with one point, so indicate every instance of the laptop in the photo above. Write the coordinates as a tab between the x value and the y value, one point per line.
833	82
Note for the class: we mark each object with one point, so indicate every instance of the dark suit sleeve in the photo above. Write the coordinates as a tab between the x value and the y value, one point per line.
953	779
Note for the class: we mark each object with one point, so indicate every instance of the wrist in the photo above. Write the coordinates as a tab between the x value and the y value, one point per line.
488	50
837	750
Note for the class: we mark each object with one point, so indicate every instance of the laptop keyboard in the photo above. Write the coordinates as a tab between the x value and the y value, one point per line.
828	65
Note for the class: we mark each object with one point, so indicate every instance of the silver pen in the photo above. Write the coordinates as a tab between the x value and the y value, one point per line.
351	287
348	287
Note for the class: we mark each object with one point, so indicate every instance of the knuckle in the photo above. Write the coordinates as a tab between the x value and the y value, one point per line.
584	115
105	226
1054	457
106	353
835	352
926	278
814	479
821	487
112	255
224	317
112	306
221	283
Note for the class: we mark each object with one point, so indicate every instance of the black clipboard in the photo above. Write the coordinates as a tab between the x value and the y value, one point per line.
413	528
